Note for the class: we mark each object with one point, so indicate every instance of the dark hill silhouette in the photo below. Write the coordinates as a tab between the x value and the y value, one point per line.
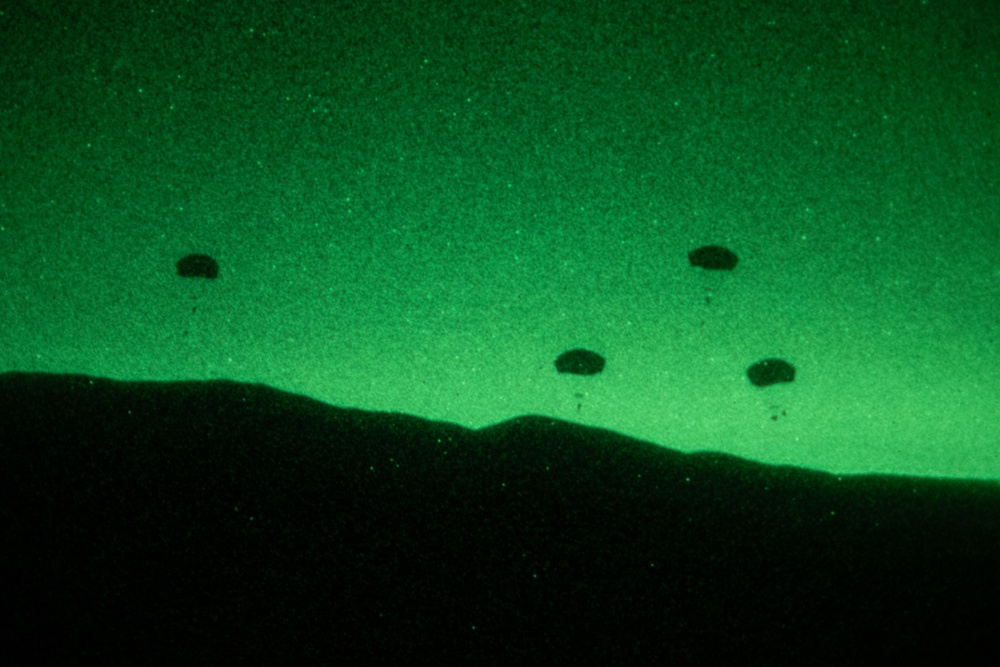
224	523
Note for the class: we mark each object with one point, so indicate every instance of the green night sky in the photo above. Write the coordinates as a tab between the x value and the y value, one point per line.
417	206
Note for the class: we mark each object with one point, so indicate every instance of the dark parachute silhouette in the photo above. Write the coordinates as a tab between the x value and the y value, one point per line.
713	257
580	362
770	371
197	266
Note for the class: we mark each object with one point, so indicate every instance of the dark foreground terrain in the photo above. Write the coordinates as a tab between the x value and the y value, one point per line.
221	523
